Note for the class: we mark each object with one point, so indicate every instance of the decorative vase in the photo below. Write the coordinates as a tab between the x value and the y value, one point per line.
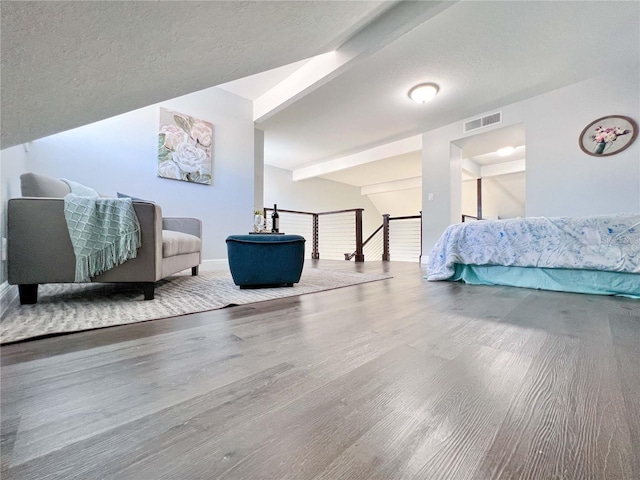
258	223
600	148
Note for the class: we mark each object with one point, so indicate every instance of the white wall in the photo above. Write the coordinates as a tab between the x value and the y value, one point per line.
13	163
398	203
503	196
258	169
119	155
441	181
469	200
317	195
560	178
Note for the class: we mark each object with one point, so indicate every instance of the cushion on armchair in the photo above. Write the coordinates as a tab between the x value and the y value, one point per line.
179	243
36	185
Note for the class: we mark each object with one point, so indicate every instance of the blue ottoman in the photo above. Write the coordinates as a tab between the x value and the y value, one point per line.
265	260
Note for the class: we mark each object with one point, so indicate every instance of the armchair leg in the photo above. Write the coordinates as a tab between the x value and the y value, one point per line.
194	271
28	294
149	290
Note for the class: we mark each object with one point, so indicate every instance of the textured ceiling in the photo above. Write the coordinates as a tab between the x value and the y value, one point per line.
67	64
484	55
253	86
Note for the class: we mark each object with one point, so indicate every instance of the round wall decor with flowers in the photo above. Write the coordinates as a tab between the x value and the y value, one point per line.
608	135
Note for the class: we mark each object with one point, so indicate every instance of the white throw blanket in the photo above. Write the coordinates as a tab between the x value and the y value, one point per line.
104	231
610	243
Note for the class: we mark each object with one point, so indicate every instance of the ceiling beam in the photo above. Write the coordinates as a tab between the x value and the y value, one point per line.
388	27
471	167
394	186
503	168
311	73
473	170
381	152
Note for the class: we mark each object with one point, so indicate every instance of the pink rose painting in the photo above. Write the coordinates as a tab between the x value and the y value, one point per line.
608	135
184	148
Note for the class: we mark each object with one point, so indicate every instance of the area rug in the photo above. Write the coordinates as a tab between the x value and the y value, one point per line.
69	307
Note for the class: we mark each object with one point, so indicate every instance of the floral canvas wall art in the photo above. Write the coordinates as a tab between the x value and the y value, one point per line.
185	144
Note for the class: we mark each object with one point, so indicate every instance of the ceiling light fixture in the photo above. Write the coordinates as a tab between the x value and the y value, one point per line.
505	151
424	92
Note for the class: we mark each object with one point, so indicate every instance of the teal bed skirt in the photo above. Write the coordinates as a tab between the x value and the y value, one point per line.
558	279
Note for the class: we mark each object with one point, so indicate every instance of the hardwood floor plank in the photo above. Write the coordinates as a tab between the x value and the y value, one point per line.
9	427
338	416
401	378
474	404
356	395
445	433
572	314
626	349
141	436
67	421
474	320
566	420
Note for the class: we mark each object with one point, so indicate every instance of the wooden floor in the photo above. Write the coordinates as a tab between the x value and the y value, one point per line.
395	379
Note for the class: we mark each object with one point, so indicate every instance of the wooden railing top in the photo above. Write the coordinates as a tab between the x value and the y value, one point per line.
289	211
315	213
408	217
342	211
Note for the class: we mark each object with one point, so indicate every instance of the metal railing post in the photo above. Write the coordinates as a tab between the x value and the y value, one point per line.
479	197
385	237
359	253
420	257
315	254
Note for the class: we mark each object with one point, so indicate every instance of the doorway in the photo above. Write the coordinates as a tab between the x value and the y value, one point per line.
493	174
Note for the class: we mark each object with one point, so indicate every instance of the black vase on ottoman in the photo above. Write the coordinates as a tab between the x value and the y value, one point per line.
265	260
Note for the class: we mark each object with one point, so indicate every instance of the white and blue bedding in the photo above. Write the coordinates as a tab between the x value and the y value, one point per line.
595	243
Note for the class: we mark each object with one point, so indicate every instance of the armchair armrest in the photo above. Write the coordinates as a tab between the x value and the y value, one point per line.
38	245
192	226
40	250
147	266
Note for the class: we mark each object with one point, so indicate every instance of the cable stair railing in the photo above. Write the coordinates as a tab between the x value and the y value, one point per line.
334	232
397	237
330	232
349	256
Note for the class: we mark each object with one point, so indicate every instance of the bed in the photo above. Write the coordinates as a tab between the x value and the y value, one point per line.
592	254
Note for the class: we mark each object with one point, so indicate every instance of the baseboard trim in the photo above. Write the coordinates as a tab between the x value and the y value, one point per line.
8	293
215	260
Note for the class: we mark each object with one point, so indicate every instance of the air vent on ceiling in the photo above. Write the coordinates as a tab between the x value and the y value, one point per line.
476	123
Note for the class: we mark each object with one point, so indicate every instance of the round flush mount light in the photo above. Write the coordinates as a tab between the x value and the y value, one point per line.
424	92
505	151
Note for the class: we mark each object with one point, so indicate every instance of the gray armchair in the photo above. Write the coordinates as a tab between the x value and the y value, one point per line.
40	249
